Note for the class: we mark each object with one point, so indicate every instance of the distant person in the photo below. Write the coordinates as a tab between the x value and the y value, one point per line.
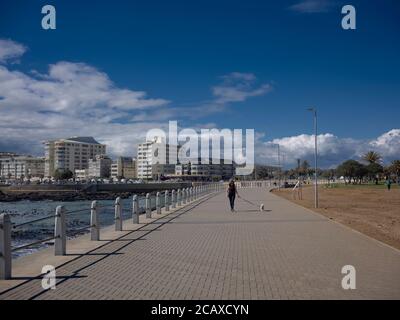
232	192
388	183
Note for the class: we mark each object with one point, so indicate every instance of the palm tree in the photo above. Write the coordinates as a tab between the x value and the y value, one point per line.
372	157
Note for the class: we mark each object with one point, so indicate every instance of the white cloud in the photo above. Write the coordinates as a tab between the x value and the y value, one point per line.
67	88
10	50
312	6
332	149
388	143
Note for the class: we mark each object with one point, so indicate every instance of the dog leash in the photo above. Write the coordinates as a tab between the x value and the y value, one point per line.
248	201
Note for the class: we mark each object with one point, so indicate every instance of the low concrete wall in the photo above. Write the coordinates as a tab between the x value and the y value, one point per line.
141	187
43	187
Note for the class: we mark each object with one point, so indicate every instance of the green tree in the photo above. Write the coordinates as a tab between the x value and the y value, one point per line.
351	169
374	170
372	157
395	167
61	174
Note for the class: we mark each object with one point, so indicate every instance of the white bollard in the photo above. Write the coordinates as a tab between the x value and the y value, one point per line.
166	200
5	247
179	197
173	199
148	206
135	209
158	204
60	232
185	195
118	214
94	222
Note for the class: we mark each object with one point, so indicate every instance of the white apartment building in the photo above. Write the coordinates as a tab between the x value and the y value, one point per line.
153	159
71	154
99	167
124	167
19	167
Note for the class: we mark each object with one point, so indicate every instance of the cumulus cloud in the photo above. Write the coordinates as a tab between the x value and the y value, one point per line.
332	149
312	6
10	50
67	88
387	144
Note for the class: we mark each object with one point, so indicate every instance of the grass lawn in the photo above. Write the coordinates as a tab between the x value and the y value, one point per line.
362	186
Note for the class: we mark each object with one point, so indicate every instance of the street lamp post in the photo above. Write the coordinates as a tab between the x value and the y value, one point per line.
315	156
279	166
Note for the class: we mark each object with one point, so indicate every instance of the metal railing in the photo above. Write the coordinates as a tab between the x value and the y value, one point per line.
254	184
167	200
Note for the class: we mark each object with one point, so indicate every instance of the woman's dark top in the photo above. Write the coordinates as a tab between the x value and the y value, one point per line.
231	189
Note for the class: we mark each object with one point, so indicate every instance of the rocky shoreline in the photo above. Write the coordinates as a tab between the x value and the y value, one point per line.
61	196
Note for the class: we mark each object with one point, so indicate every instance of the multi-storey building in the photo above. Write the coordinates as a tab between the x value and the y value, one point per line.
124	167
71	154
153	159
215	169
21	167
100	166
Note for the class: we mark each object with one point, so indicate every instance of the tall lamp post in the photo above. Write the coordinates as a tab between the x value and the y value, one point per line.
279	166
314	111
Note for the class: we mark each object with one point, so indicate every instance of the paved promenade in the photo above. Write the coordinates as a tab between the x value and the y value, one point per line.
203	251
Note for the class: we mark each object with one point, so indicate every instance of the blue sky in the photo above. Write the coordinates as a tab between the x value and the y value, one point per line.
234	64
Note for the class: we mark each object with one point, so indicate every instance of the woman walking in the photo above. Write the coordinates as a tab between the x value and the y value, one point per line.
232	192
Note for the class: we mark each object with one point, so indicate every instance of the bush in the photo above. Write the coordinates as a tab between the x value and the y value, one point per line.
61	174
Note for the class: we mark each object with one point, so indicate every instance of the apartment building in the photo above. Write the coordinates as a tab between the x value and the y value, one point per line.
124	167
153	159
215	169
99	167
18	167
71	154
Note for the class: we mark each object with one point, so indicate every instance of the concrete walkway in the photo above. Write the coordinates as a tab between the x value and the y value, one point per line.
203	251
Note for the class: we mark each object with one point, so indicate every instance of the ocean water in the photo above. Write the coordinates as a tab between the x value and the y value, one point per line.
25	211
